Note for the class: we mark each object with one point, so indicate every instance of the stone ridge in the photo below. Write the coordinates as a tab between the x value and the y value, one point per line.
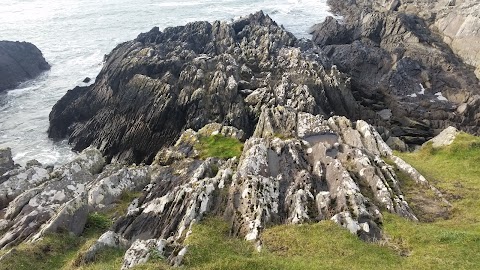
19	61
161	83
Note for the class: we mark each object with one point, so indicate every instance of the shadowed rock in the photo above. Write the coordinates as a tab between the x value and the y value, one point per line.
19	61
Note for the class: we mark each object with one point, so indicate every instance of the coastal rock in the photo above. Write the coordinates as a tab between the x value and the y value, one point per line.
6	161
19	61
400	64
162	83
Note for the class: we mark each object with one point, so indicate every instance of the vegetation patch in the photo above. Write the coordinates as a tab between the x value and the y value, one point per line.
219	146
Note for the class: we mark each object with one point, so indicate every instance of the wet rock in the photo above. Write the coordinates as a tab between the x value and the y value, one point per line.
19	61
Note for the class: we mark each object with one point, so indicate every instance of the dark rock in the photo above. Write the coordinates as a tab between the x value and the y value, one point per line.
398	63
156	86
86	80
19	61
6	161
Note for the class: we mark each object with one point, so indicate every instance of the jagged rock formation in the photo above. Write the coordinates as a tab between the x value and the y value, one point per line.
161	83
19	61
403	73
297	167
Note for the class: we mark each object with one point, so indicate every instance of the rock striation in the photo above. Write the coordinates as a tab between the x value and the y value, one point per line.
19	61
404	72
161	83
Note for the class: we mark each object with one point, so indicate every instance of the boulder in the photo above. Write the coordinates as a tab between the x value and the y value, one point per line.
445	138
19	61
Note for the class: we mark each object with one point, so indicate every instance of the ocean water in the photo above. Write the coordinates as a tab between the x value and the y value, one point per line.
74	35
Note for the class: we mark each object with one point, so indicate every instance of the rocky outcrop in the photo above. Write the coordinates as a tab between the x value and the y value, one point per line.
161	83
296	168
19	61
48	202
407	78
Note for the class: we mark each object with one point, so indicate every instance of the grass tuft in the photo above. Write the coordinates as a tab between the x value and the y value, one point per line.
219	146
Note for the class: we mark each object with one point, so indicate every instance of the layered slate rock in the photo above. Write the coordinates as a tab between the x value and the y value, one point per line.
19	61
404	73
164	82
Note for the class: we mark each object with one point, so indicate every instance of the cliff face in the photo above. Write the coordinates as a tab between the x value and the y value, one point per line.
161	83
402	68
19	61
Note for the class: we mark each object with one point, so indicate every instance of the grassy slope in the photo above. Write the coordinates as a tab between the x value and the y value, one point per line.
453	243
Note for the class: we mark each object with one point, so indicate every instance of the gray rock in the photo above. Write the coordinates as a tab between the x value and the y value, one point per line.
57	202
105	190
226	74
445	138
397	144
108	239
400	65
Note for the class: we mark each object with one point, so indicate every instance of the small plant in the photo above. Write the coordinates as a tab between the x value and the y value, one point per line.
219	146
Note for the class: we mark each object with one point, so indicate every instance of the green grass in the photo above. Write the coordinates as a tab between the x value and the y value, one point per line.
219	146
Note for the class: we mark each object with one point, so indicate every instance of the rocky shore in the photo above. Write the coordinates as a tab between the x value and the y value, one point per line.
316	121
19	61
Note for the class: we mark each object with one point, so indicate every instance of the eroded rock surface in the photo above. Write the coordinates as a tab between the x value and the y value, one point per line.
19	61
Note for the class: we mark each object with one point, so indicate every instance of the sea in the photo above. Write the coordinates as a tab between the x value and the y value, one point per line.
74	36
